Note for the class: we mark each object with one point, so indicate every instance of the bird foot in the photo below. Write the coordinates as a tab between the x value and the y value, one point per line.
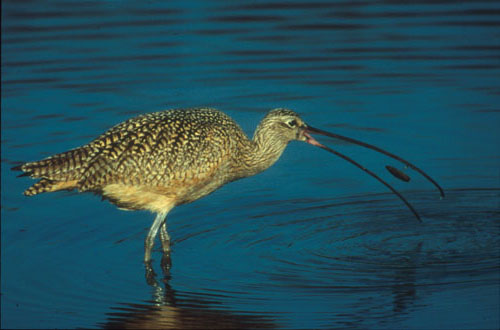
150	273
166	264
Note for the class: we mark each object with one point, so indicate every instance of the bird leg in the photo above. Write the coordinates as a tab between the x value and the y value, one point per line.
150	238
166	261
160	224
165	238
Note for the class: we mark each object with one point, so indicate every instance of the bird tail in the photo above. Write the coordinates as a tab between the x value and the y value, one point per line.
56	172
44	185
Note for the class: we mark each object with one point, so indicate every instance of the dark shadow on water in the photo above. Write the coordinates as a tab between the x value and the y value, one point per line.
404	290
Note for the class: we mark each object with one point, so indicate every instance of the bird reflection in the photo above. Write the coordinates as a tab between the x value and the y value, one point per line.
167	311
403	289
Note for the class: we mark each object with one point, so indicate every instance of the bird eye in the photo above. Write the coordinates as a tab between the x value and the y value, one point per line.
292	123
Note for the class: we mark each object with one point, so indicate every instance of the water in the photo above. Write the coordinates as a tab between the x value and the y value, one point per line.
312	242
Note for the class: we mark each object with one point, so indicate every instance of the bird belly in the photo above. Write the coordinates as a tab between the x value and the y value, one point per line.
131	197
199	190
159	198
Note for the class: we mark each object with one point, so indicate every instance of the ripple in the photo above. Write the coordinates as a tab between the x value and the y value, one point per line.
425	73
367	249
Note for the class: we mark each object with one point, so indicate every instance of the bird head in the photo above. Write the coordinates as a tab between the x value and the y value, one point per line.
286	125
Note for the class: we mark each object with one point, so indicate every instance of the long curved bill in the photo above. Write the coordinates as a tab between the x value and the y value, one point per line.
312	141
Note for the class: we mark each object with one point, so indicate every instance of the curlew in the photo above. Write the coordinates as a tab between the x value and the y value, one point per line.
160	160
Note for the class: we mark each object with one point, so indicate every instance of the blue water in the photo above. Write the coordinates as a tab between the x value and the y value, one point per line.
313	242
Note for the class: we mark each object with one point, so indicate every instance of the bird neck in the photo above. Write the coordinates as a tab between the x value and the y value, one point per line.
260	153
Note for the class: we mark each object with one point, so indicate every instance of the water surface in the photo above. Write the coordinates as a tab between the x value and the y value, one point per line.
312	242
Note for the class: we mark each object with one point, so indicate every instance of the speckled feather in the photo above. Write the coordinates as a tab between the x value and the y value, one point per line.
181	154
156	148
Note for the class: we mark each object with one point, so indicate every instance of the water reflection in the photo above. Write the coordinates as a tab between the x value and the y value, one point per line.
358	270
404	289
167	310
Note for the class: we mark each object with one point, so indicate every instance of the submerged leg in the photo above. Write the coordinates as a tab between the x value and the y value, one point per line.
150	238
164	238
166	262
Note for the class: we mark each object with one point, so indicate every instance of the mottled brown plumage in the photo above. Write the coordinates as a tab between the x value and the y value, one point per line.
159	160
172	152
